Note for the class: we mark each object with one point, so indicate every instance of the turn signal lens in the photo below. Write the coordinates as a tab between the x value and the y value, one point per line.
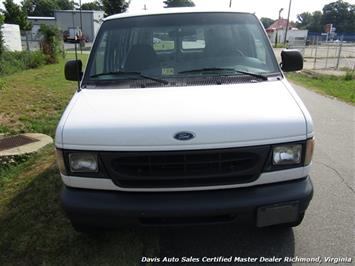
309	151
60	162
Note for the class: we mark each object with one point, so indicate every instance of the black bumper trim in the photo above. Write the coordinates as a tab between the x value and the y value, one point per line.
108	208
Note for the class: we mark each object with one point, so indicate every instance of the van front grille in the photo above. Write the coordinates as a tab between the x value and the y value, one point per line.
185	168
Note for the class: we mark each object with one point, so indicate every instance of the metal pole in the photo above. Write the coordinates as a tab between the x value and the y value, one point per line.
230	3
288	21
27	42
77	70
81	28
76	53
339	53
326	60
315	55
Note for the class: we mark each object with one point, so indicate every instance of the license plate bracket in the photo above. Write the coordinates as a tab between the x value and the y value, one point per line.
277	214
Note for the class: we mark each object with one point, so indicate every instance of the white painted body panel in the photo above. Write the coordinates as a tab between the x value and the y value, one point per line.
174	10
221	116
307	115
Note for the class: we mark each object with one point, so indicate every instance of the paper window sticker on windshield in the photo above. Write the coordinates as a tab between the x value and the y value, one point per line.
168	71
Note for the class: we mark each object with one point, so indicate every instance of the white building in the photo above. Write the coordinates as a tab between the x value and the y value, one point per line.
277	31
65	19
36	24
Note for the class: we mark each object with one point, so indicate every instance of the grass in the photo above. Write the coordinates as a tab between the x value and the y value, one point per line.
33	100
33	227
12	62
342	87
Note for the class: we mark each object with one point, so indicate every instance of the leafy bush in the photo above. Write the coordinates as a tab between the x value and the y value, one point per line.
12	62
51	42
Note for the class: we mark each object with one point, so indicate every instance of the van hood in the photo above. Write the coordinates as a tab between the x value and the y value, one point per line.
218	116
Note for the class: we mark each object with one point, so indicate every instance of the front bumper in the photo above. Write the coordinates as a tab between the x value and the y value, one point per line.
114	209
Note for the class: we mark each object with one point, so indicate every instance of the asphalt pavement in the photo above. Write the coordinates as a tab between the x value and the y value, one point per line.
328	227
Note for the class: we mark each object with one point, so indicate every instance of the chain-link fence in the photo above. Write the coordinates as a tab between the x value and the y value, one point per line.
30	42
335	55
321	55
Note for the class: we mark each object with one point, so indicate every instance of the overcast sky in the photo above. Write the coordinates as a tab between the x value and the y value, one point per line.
262	8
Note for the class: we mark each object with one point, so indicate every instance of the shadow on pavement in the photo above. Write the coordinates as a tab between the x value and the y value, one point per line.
227	241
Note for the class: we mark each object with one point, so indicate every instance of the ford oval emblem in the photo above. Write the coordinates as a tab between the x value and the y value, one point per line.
184	136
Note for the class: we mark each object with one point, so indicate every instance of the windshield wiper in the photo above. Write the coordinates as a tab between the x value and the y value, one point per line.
136	74
260	76
216	69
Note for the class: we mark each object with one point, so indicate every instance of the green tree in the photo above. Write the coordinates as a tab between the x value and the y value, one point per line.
39	7
317	25
179	3
15	15
112	7
46	7
341	14
92	6
304	20
65	4
267	22
310	21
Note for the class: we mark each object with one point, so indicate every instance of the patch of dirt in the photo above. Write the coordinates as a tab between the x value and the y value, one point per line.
10	122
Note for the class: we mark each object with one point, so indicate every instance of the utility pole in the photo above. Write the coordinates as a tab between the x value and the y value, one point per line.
230	3
277	33
288	21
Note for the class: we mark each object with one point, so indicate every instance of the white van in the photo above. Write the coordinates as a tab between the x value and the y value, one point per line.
184	117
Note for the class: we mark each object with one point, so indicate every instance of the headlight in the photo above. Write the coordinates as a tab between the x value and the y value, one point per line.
287	154
83	162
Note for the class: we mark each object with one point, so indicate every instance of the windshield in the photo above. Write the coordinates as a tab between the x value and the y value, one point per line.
180	45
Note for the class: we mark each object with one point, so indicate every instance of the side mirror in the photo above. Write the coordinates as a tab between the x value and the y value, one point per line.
73	70
292	60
